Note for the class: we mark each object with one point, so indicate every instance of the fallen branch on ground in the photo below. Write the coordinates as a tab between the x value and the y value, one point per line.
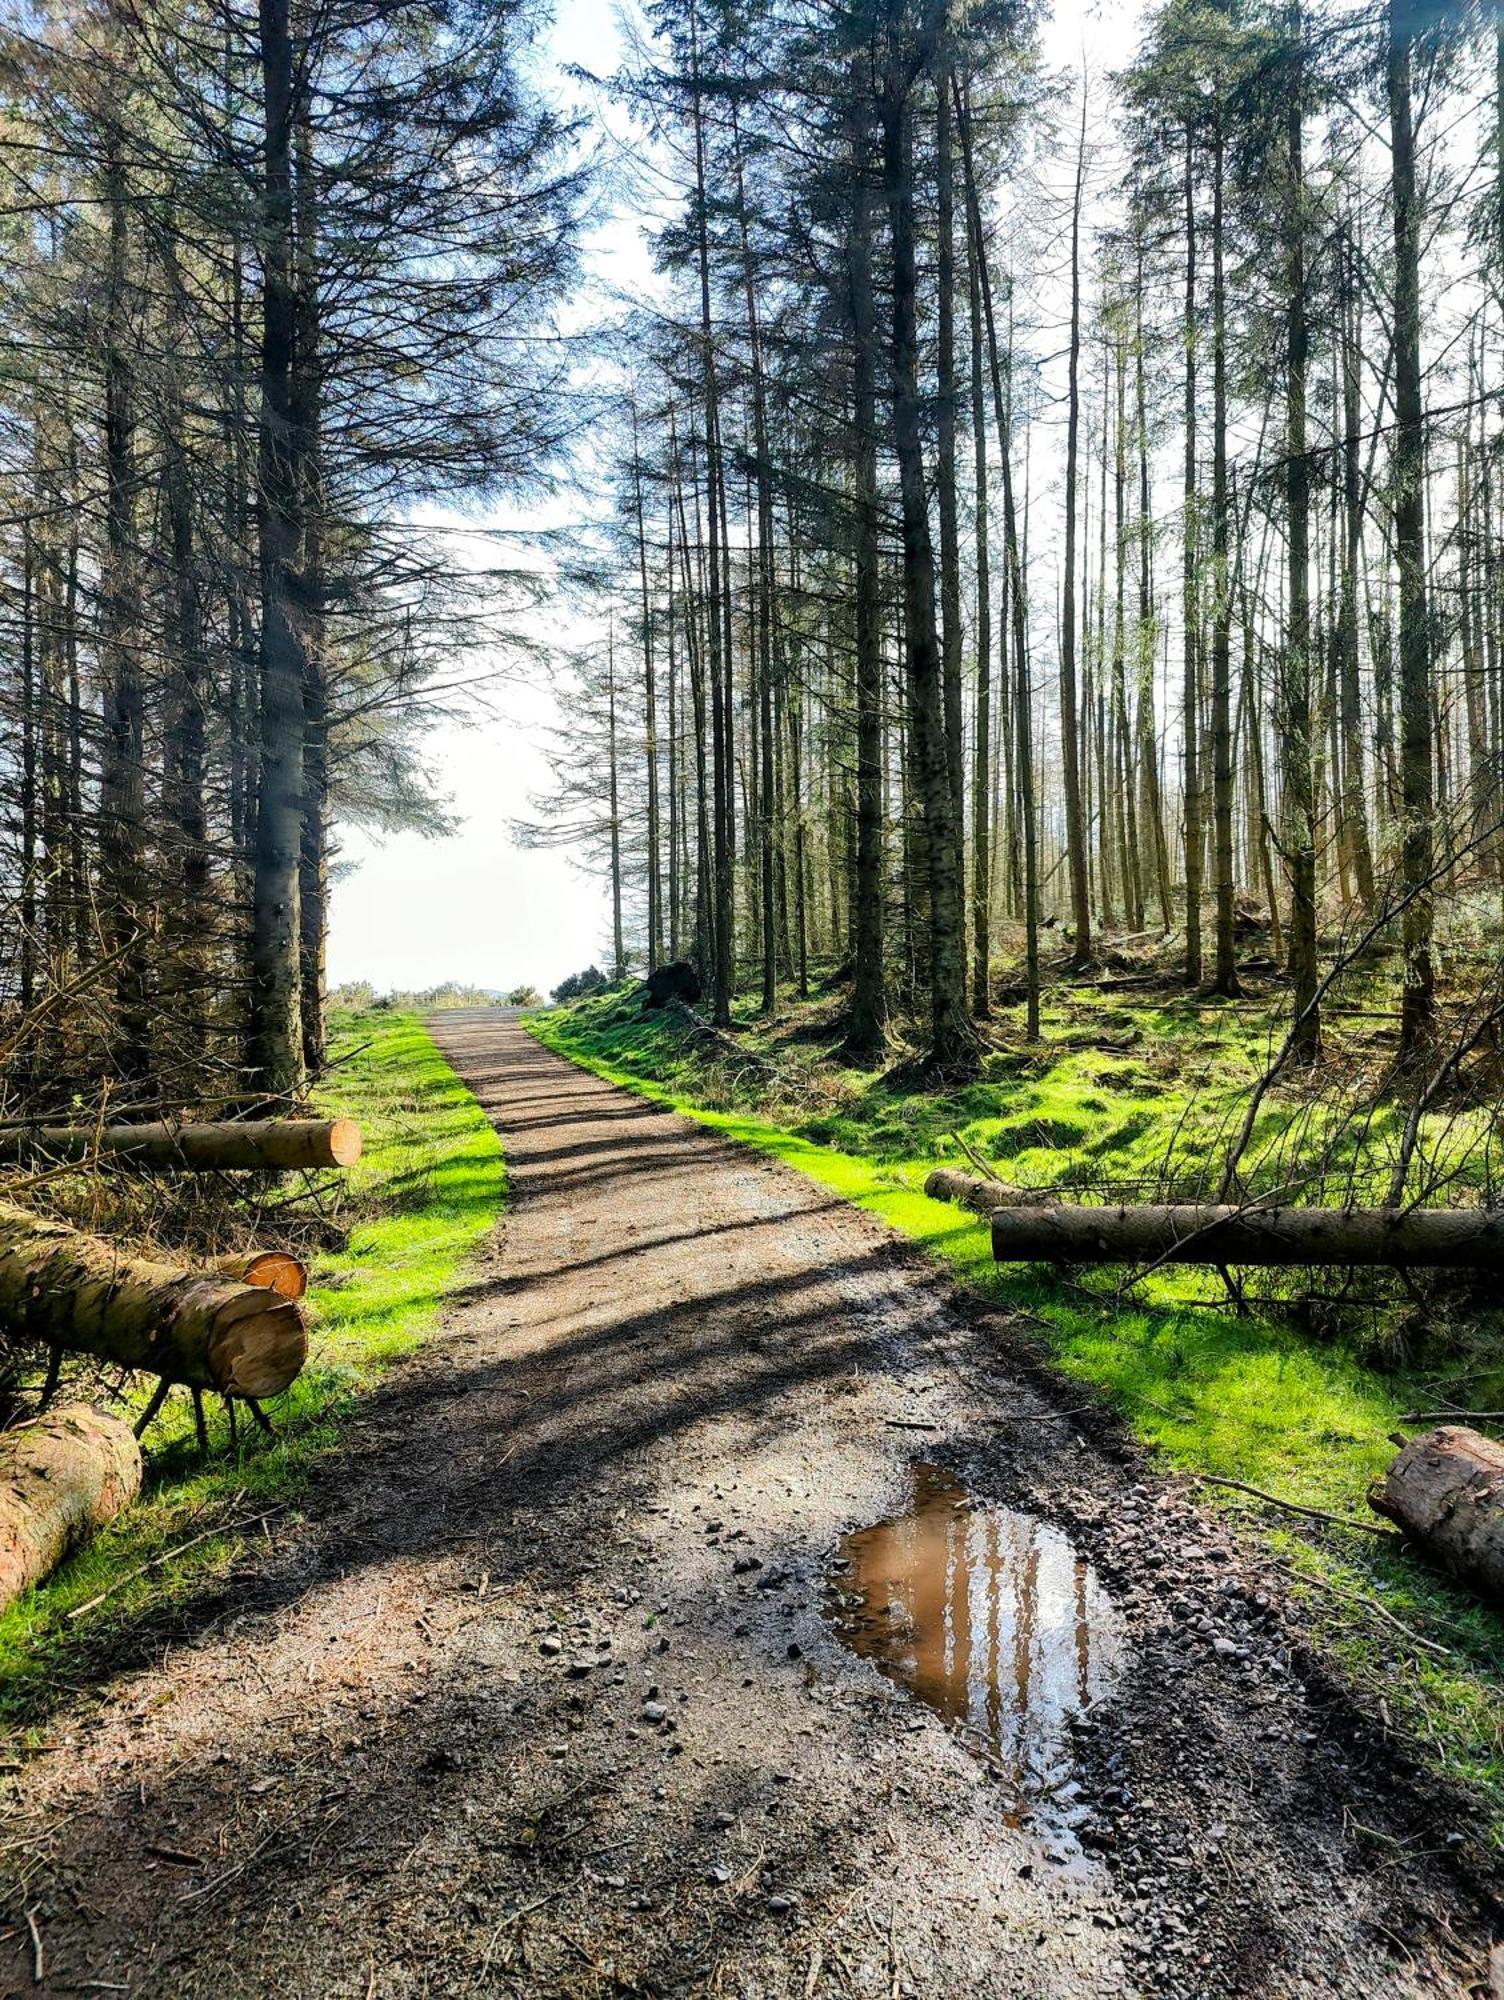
1294	1506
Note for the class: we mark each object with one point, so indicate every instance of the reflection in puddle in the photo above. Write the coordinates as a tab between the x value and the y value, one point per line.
991	1617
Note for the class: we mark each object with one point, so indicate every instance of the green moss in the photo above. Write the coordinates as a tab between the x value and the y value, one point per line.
429	1186
1211	1391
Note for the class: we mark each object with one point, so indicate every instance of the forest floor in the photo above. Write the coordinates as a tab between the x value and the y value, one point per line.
544	1696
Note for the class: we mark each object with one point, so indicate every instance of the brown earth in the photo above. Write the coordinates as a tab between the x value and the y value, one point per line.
512	1712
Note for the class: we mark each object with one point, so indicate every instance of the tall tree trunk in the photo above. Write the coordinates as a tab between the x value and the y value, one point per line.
649	714
189	917
124	897
1070	735
308	419
945	459
275	1047
1013	572
1354	781
1191	602
1148	734
1225	979
1300	797
867	1031
1418	1003
718	634
981	793
952	1041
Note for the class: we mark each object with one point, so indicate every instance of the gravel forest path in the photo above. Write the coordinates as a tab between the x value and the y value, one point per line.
543	1698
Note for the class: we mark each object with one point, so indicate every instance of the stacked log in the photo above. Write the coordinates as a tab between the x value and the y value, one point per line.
1210	1233
198	1327
1446	1490
61	1478
275	1144
278	1270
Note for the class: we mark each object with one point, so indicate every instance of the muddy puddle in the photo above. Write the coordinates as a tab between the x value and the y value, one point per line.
992	1618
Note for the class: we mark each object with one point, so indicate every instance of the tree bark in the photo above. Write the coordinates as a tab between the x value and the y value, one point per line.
61	1478
1213	1233
1446	1490
867	1033
122	784
1418	1002
1191	603
1070	736
952	1040
276	1145
276	1031
1295	680
189	1326
1225	979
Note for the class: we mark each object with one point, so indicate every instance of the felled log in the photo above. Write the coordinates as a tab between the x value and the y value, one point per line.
192	1326
974	1192
60	1478
278	1270
1446	1490
276	1143
1205	1233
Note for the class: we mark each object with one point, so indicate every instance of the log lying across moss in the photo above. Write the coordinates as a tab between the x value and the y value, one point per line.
973	1192
1446	1490
61	1478
273	1143
196	1327
1204	1233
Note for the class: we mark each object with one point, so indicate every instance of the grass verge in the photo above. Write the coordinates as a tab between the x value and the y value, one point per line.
1210	1392
428	1187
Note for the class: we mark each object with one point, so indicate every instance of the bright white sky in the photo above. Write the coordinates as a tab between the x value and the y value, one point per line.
477	907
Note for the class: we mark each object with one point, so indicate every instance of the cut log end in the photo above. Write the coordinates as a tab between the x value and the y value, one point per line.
344	1142
258	1346
1446	1490
278	1270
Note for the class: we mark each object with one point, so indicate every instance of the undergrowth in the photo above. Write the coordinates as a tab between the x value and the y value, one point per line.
429	1185
1296	1400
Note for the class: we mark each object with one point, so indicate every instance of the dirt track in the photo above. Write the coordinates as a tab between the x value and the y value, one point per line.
510	1714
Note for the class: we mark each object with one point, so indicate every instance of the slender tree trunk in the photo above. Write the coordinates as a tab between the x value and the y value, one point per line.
124	914
945	466
1354	779
867	1031
1148	734
1014	580
952	1042
1070	735
1191	602
1418	1003
650	716
1296	719
981	832
275	1049
308	420
1225	980
618	933
719	641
